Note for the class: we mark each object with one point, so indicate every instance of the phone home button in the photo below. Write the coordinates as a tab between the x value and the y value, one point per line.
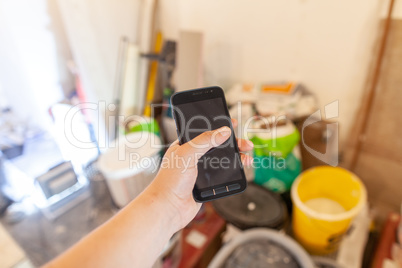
207	193
233	187
220	190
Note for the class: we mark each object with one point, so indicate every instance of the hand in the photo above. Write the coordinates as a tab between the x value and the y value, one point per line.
176	178
136	236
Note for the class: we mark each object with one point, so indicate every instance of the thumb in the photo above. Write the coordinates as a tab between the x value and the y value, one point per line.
204	142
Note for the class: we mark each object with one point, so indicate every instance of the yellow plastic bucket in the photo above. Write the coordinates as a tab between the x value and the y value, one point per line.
325	200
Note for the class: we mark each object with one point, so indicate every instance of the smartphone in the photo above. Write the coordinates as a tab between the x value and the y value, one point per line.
220	171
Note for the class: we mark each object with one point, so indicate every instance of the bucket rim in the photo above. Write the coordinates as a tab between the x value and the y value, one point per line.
281	239
113	173
349	214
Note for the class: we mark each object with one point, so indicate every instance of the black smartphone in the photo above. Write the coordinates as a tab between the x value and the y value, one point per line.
220	171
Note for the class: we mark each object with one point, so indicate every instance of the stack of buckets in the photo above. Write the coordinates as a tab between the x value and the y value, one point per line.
325	201
276	156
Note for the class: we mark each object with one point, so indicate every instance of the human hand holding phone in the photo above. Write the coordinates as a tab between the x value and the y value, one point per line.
147	223
178	172
220	171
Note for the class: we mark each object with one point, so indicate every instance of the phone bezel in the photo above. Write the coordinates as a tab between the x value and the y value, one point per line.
200	94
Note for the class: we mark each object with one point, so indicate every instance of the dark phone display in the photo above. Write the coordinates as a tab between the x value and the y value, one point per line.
221	164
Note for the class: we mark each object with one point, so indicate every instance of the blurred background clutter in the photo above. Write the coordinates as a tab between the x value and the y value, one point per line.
80	80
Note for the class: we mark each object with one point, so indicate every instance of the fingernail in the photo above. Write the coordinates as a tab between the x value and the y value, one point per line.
224	131
250	143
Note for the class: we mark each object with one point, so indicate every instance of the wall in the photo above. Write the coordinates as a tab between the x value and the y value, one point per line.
94	29
63	51
31	74
396	12
380	155
327	45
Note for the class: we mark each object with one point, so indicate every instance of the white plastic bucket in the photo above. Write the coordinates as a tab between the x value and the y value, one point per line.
130	164
298	253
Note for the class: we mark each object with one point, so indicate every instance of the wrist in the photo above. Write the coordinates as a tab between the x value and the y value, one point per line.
163	209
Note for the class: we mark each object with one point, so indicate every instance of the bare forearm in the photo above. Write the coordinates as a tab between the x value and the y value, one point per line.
133	238
136	236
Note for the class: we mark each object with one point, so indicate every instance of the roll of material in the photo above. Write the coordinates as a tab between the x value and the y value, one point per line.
130	97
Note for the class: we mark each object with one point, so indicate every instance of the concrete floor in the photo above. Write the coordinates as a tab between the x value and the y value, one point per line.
43	239
40	237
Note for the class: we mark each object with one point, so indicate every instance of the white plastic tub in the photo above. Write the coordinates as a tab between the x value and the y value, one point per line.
130	165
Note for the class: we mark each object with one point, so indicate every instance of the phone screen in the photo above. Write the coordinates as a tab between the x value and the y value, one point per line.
222	164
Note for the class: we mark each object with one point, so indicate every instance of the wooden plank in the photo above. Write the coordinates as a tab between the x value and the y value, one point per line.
152	79
146	31
129	103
